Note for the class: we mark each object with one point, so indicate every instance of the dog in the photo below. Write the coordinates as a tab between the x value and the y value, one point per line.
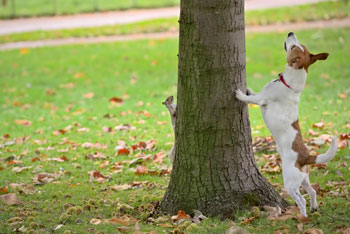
278	101
169	103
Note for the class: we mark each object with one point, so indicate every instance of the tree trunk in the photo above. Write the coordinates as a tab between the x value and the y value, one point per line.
214	169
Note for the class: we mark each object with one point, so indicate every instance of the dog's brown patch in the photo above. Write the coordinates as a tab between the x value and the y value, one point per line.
299	59
303	153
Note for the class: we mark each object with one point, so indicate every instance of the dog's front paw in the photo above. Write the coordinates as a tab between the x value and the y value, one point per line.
240	95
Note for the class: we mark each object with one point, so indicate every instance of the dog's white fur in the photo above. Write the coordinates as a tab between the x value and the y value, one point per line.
279	107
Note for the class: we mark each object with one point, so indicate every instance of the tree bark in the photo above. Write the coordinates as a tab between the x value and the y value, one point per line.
214	169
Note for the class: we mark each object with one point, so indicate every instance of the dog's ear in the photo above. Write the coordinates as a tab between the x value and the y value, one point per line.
315	57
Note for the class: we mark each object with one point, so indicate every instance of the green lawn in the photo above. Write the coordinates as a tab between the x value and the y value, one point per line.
311	12
25	8
62	95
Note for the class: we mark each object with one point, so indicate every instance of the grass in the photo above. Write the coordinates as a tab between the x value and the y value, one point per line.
51	87
24	8
310	12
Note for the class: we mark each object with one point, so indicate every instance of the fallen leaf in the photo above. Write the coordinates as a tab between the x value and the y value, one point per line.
312	133
158	157
67	86
23	188
115	100
3	190
107	129
96	155
124	127
313	231
303	219
61	159
78	75
44	178
88	145
345	231
339	173
5	136
23	122
319	125
89	95
97	176
23	51
344	136
123	151
20	169
273	212
125	220
121	187
95	221
59	226
342	95
300	227
83	130
10	199
141	170
181	215
35	159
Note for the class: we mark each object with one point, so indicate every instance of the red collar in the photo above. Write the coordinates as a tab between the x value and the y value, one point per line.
280	78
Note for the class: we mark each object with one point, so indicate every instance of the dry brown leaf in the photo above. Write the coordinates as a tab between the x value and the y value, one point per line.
342	95
23	188
97	176
23	122
123	151
319	125
20	169
312	133
95	221
158	157
89	95
44	178
3	190
302	219
300	227
121	187
277	232
125	220
107	129
124	127
313	231
180	216
141	170
10	199
345	231
115	100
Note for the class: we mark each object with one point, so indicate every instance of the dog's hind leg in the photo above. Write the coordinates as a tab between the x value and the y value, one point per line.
312	193
298	198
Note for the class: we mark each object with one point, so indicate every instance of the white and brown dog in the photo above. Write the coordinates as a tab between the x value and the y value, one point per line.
279	106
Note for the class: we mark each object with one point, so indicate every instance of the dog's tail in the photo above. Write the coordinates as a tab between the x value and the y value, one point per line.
326	157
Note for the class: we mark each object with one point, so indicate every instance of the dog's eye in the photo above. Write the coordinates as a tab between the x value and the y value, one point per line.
292	47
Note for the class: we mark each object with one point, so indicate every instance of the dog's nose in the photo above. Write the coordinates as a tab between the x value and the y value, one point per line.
290	34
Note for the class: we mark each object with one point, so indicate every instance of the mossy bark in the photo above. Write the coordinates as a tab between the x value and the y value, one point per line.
214	169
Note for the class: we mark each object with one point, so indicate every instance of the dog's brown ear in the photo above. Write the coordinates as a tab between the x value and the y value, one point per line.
315	57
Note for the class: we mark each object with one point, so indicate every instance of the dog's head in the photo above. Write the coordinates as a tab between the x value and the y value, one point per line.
298	56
